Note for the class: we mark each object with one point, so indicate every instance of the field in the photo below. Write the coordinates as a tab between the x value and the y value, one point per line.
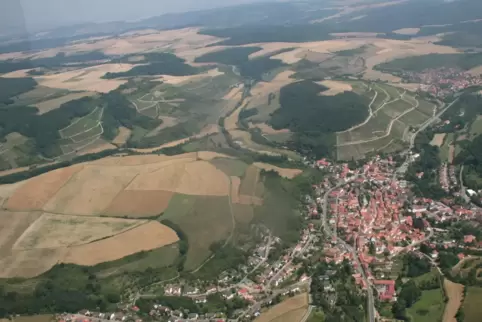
472	305
284	172
438	139
145	237
445	148
31	243
204	219
454	293
292	309
55	231
392	113
51	104
430	307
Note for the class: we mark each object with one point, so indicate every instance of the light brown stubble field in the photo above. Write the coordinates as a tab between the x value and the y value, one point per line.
143	238
139	203
284	172
58	231
36	192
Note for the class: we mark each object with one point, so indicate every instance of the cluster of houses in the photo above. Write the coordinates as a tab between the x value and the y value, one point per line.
447	177
442	82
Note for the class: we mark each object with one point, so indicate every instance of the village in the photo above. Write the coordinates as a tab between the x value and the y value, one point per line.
442	82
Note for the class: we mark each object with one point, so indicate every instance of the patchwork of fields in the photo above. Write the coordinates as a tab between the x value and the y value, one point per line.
393	114
79	214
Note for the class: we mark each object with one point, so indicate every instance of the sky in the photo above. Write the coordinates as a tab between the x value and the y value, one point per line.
37	14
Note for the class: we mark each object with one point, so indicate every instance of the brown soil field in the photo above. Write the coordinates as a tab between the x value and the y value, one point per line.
334	87
29	263
49	105
291	316
264	88
287	173
194	178
122	137
208	155
293	303
179	80
86	79
407	31
143	238
12	226
36	192
58	231
235	183
91	190
33	318
137	204
454	292
438	139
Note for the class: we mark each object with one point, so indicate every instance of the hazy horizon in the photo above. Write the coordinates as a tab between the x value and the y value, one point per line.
37	14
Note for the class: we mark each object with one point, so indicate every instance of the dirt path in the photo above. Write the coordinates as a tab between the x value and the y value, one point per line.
389	130
454	292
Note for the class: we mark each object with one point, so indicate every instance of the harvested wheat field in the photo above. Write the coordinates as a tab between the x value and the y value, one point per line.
91	190
29	263
294	303
193	178
58	231
86	79
139	203
407	31
12	226
282	79
36	192
454	292
477	71
267	129
284	172
138	160
143	238
49	105
334	87
438	139
179	80
122	137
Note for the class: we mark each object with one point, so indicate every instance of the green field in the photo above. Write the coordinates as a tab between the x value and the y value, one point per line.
444	149
472	305
463	61
475	127
249	181
430	307
80	125
204	219
232	167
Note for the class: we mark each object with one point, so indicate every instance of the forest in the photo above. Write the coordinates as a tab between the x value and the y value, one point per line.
11	87
159	64
304	110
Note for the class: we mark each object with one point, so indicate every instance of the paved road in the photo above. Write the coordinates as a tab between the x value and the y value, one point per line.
329	233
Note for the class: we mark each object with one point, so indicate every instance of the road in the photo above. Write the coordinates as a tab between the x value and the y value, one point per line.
329	233
427	123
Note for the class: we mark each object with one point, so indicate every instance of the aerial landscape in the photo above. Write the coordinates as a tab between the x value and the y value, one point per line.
267	161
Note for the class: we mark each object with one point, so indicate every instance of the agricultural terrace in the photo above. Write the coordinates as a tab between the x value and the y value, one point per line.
82	132
292	309
393	113
32	243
